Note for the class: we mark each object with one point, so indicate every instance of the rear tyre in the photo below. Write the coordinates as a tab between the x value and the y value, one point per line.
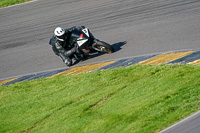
104	47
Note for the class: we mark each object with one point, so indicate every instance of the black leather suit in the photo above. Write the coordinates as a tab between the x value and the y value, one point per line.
63	49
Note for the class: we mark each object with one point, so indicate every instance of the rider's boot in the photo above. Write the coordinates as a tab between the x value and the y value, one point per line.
68	62
65	59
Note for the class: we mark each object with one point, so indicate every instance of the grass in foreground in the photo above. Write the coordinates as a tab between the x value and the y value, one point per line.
132	99
4	3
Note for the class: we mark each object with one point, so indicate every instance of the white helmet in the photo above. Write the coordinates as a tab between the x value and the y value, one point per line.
59	33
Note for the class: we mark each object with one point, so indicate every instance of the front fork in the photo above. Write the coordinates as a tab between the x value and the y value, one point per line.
95	47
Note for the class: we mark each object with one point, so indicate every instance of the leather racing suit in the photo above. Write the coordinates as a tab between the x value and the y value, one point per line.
63	49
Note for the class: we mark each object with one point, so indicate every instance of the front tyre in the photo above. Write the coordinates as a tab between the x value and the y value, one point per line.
104	47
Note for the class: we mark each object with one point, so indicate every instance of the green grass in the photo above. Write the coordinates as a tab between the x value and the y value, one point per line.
133	99
4	3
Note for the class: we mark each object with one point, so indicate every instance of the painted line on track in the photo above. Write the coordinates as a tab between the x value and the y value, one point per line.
127	62
33	76
185	57
166	57
195	62
182	123
6	81
19	4
83	69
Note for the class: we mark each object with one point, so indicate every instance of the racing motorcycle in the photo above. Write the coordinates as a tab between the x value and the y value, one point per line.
87	44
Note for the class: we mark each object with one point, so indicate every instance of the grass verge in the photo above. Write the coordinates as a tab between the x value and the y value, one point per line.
132	99
4	3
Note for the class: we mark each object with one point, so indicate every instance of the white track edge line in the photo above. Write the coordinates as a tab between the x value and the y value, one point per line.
18	4
180	122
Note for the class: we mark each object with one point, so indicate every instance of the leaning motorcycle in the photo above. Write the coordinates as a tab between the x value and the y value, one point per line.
87	43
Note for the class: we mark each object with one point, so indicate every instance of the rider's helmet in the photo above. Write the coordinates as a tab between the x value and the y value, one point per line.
60	33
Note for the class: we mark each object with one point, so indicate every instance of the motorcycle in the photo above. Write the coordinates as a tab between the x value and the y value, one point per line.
87	44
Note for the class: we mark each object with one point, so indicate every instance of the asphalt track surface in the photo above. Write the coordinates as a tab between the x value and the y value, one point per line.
133	27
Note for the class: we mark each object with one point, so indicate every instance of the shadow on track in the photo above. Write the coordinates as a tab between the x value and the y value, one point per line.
116	46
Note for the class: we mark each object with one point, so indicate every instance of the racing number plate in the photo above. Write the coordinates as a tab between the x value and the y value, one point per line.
81	42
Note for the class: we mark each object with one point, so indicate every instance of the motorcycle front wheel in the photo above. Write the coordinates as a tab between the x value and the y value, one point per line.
103	47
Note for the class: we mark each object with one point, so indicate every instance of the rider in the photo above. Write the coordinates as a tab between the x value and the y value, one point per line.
61	46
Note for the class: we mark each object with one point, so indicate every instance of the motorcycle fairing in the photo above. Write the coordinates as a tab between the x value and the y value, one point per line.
86	31
81	36
81	42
